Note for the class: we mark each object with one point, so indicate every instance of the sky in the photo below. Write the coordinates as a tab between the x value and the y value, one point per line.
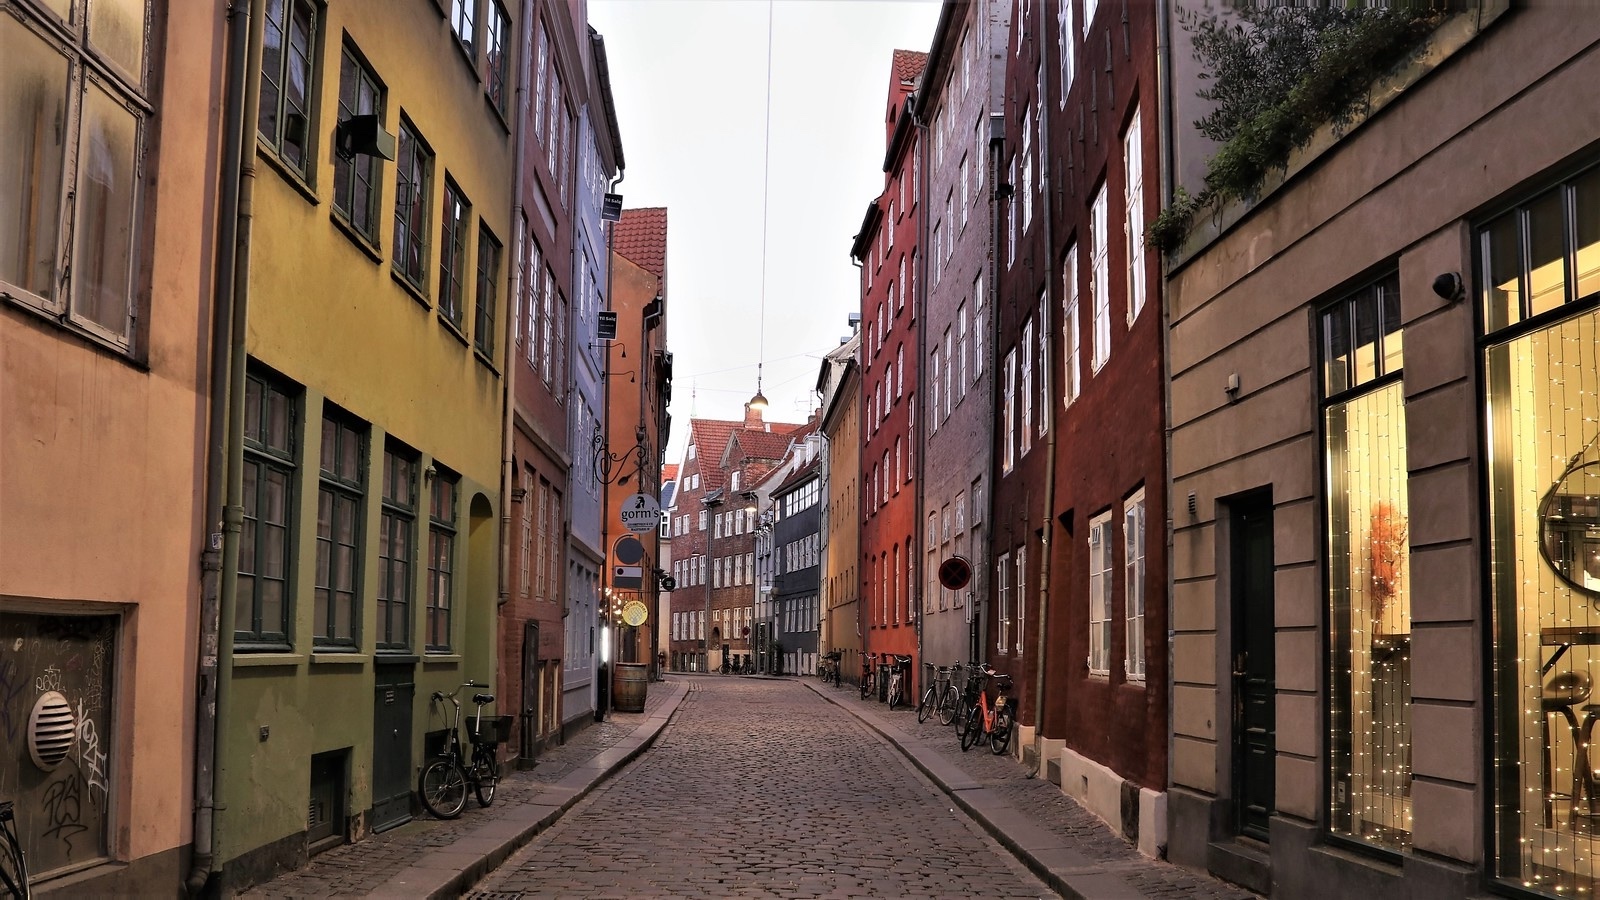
689	78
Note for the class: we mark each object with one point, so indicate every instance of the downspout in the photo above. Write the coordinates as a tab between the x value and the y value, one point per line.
217	456
611	632
1047	520
508	472
1164	127
991	352
246	68
919	496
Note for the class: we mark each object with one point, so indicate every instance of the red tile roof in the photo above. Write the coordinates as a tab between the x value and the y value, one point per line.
908	64
641	236
669	471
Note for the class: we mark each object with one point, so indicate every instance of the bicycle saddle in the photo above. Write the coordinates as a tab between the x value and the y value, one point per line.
482	699
902	660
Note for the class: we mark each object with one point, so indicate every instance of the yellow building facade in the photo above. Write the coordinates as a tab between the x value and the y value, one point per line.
376	271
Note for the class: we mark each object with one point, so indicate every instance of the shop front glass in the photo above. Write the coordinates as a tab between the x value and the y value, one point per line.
1369	593
1540	265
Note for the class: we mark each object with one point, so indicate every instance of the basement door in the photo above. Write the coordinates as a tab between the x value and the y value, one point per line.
1254	680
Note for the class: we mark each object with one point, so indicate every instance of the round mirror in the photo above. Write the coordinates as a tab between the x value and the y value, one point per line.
1569	528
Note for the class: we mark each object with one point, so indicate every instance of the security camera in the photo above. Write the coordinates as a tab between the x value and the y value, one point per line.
1449	287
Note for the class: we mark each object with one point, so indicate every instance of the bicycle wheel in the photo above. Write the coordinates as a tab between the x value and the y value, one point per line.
488	771
974	727
1000	737
897	692
866	687
443	789
925	706
949	705
13	865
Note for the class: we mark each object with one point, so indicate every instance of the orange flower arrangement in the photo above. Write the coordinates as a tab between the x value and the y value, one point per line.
1386	555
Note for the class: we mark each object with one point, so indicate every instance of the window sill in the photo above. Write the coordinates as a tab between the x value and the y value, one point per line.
362	242
410	288
248	660
468	55
441	658
297	181
453	328
63	320
336	657
395	656
485	360
499	113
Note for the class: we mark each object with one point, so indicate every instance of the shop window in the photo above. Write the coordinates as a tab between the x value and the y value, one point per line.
1542	381
1369	597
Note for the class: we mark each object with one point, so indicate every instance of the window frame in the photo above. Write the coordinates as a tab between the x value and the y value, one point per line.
1102	585
350	56
305	168
454	224
265	456
442	534
340	485
1135	547
397	518
414	165
487	296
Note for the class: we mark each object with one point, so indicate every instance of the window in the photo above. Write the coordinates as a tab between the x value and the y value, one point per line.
949	372
488	278
900	371
453	252
979	339
1044	365
413	185
497	35
340	497
961	345
72	147
288	48
1069	327
550	333
1100	585
1022	595
901	297
1133	226
1026	188
396	541
441	565
1099	290
1088	14
1066	39
356	178
933	391
950	232
541	68
1369	596
1002	575
716	526
938	258
1025	420
899	464
270	427
1011	214
1133	585
966	198
1008	416
461	22
885	476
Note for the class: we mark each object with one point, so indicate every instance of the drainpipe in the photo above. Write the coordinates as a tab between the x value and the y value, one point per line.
1164	126
508	472
920	495
1045	307
224	478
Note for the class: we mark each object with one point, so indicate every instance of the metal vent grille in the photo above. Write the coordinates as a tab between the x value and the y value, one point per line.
318	814
51	730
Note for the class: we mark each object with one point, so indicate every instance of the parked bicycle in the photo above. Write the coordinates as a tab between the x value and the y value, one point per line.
443	783
13	865
940	697
828	668
897	680
869	685
984	721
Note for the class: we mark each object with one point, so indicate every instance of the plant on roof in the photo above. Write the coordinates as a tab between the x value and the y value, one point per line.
1275	76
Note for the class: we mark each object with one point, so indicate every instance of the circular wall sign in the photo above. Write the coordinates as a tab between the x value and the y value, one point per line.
634	613
955	573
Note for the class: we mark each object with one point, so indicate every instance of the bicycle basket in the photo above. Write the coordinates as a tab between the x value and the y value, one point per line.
495	730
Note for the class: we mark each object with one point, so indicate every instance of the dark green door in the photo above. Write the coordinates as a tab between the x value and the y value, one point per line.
391	746
1254	734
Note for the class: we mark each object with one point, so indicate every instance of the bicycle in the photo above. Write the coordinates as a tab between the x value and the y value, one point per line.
897	680
442	786
13	865
939	698
986	722
868	687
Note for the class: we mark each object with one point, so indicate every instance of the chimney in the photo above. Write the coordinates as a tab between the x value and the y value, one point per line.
752	418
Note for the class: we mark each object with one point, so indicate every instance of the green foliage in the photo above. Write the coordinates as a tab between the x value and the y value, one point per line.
1275	77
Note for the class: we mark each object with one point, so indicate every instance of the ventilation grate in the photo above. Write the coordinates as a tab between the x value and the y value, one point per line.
51	730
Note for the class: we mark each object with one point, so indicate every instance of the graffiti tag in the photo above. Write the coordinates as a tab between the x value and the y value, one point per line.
49	681
63	809
90	760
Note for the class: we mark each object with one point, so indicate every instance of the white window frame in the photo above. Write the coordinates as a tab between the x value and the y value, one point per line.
1071	343
1003	609
1011	214
933	389
949	372
1133	218
1025	419
1044	364
1099	289
1008	452
1101	583
1027	167
1022	594
1066	34
1135	543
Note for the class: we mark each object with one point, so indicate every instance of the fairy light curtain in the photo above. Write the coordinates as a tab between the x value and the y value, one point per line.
1541	262
1369	592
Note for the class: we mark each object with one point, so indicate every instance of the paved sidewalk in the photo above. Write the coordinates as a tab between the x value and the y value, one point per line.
1069	847
432	858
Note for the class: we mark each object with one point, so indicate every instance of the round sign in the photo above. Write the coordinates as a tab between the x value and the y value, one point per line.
634	613
955	573
641	514
746	631
628	550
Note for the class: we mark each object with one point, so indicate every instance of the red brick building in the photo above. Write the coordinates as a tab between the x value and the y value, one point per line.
886	249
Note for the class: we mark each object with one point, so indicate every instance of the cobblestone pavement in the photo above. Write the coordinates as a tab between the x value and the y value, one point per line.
354	869
762	788
1045	804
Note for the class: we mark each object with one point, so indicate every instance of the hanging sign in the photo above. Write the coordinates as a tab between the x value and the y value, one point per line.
641	514
635	613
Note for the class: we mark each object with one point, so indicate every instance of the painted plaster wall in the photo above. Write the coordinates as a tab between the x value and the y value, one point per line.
842	625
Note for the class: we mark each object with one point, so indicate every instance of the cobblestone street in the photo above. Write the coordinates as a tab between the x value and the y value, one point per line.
763	788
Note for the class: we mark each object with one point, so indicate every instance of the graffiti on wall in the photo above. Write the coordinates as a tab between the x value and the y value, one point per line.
55	730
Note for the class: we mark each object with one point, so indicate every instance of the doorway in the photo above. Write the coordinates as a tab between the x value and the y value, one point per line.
1254	685
391	746
532	692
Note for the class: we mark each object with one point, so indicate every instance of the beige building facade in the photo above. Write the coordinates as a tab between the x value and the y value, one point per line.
1385	454
840	424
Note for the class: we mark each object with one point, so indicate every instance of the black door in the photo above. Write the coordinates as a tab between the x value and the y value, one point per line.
391	746
530	690
1254	736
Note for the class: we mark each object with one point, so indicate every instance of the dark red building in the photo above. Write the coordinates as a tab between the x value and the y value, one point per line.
886	249
1079	445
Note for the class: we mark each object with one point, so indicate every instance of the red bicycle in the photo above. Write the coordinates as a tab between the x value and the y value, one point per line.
989	722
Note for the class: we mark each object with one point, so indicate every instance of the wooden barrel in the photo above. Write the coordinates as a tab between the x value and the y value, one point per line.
632	680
